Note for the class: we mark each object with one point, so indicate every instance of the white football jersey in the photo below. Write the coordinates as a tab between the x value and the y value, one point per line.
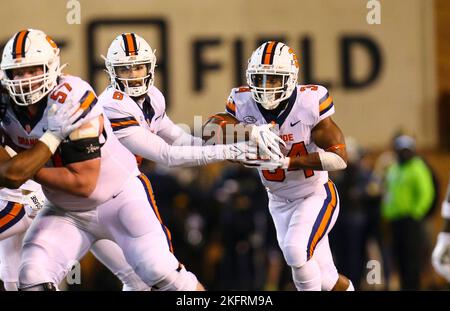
308	105
124	112
117	163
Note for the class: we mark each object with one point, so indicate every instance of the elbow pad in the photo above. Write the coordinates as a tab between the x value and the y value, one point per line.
331	161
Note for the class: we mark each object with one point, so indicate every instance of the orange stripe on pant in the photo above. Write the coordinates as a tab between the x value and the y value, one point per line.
15	213
149	191
323	219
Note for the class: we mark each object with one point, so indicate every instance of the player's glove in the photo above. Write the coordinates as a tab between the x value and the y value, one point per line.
241	151
441	255
267	140
61	121
282	163
33	202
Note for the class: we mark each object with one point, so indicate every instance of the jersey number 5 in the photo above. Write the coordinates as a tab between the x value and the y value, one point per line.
59	95
279	175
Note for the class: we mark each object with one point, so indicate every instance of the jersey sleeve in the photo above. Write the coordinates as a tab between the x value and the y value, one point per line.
123	123
230	106
324	103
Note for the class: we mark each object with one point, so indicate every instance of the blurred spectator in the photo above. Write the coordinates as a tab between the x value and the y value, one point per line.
244	223
359	216
408	196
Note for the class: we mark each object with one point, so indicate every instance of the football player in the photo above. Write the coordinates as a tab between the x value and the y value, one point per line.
137	112
93	187
303	202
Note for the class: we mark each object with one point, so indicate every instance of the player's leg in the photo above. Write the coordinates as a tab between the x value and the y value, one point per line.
10	254
51	246
133	220
306	275
111	255
13	219
312	219
331	279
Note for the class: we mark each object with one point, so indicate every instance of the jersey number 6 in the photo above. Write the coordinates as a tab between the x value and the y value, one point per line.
279	175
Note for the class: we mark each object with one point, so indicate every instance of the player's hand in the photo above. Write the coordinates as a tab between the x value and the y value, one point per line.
241	151
282	163
267	140
63	120
441	255
33	202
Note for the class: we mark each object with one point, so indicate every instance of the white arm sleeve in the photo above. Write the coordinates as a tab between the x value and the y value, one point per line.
175	135
331	161
152	147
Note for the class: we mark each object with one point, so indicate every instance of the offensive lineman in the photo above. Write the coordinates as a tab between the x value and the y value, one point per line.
93	186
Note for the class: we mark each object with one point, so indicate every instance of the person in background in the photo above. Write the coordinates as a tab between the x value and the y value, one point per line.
408	196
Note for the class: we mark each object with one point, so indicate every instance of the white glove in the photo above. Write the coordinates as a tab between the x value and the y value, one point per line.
441	255
282	163
33	202
241	151
267	140
61	121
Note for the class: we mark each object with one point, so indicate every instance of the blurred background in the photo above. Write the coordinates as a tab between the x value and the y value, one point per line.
387	65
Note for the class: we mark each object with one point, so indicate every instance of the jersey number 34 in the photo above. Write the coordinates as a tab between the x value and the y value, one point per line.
279	175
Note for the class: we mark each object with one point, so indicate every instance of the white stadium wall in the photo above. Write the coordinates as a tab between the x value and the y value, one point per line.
201	43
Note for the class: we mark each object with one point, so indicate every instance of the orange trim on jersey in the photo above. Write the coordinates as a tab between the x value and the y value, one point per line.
88	101
325	220
231	106
327	103
18	48
11	215
130	42
269	51
131	122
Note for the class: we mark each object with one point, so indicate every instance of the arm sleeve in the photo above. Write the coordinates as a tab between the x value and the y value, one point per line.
424	191
152	147
175	135
326	105
230	107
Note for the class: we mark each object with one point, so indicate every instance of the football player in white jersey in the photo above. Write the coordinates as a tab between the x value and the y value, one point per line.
18	208
93	187
441	252
136	110
303	202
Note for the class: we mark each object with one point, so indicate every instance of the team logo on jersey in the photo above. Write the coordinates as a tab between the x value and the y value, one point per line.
250	119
